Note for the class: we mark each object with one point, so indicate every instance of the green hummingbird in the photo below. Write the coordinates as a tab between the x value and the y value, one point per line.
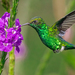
52	36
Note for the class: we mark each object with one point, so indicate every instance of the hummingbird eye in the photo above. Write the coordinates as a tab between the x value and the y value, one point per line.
34	21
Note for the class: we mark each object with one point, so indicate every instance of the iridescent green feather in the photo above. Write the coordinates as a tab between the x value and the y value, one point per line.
52	36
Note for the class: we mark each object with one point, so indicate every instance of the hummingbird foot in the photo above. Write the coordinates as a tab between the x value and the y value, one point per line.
56	51
59	50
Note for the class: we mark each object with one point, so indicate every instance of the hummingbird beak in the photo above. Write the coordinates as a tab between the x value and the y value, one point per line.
25	24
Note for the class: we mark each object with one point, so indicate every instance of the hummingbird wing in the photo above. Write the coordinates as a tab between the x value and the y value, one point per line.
66	22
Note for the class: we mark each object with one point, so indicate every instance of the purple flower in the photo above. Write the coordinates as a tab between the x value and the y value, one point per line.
5	18
9	37
17	23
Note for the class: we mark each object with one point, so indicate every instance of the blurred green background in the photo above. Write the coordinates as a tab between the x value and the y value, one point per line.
57	64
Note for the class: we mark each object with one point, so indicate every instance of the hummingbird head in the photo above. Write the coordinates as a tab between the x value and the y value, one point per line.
37	23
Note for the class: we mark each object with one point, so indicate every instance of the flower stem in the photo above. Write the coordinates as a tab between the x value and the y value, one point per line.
11	62
13	12
2	61
43	63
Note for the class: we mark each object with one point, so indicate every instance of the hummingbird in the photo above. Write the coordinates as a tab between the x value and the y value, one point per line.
51	36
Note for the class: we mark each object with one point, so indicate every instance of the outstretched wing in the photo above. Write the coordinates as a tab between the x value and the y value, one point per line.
66	22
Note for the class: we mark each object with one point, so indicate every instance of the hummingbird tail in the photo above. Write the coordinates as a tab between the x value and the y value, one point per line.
68	47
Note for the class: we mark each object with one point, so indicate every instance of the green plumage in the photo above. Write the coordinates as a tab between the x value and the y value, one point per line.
52	36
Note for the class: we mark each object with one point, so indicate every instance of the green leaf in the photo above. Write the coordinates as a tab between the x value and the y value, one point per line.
6	5
2	61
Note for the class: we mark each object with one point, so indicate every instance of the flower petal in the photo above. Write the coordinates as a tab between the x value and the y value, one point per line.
17	49
17	23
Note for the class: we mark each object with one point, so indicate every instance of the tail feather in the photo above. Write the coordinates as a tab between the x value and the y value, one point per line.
71	46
